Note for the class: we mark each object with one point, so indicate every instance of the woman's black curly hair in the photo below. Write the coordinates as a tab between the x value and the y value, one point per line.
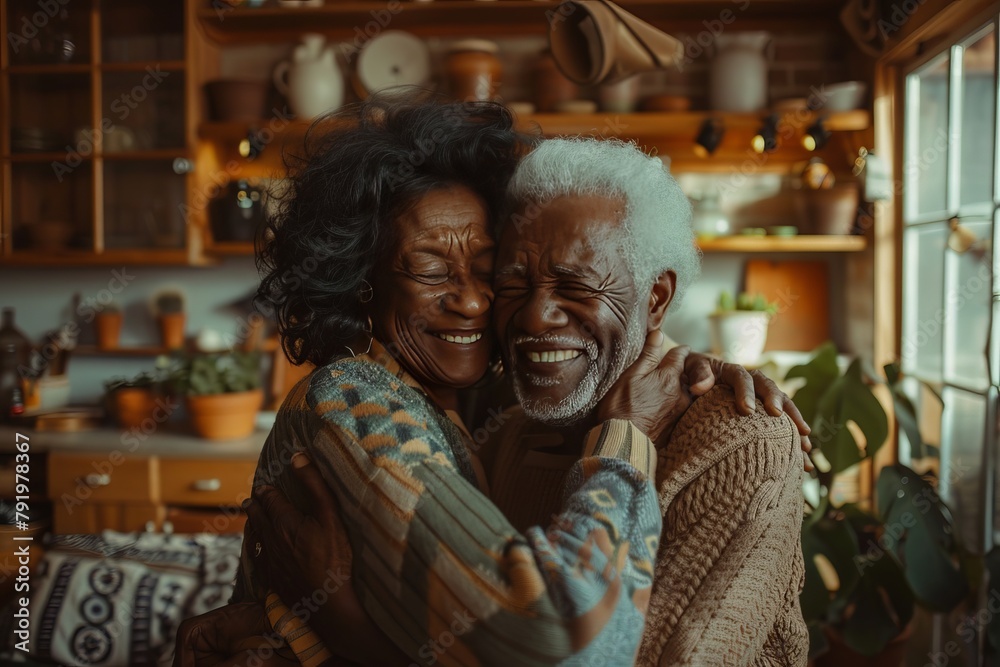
361	169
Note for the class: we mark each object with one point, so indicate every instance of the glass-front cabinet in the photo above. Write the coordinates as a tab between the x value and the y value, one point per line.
97	145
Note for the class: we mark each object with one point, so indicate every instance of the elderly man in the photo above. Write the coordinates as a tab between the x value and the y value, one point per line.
597	251
597	248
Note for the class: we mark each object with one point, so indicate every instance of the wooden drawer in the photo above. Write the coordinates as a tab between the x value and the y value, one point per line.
206	482
197	520
89	478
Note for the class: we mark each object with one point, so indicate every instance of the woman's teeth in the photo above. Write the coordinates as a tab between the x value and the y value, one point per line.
464	340
554	355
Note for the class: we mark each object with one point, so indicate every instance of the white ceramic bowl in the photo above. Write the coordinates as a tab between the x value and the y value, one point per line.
844	96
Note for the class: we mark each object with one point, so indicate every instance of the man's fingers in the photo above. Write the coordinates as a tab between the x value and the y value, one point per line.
652	352
324	503
742	382
792	411
673	362
700	376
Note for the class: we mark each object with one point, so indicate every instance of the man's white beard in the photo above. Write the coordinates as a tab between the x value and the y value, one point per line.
585	397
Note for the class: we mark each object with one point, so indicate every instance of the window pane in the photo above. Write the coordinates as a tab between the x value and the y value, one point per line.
926	160
968	301
978	119
961	460
923	300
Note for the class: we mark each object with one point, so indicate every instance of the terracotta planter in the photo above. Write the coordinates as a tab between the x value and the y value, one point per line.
172	330
225	416
828	210
842	654
109	329
133	406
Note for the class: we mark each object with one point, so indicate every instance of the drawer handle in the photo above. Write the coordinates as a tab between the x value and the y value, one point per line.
206	485
94	479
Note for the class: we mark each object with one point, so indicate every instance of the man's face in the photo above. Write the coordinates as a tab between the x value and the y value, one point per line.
566	306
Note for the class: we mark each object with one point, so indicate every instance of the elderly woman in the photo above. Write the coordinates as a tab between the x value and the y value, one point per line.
395	212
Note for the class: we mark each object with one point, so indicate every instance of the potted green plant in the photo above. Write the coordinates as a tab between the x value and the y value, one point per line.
867	567
168	308
132	400
222	392
108	326
739	326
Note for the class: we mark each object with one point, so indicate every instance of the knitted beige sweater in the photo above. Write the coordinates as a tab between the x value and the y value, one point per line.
729	569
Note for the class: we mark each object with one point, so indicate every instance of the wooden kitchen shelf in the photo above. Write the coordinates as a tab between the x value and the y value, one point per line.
131	351
137	257
342	19
764	244
669	134
51	68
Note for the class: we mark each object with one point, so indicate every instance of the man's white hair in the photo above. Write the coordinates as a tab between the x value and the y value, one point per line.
657	215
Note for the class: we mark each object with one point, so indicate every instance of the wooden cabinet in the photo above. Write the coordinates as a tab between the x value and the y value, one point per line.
97	491
98	142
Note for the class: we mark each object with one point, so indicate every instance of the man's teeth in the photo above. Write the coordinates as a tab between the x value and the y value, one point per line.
549	356
465	340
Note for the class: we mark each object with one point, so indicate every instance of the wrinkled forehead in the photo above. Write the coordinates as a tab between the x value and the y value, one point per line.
578	225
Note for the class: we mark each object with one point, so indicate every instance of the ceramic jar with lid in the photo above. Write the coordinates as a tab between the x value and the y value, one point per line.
473	70
549	86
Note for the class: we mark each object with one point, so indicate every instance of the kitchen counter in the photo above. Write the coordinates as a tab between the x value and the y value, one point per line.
165	442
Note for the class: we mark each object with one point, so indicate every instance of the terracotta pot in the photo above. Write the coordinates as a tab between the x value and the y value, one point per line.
225	416
172	330
133	406
109	329
550	86
473	70
828	210
842	654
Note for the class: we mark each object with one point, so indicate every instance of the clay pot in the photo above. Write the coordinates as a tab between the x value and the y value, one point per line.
549	85
172	330
473	70
109	328
225	416
132	406
828	210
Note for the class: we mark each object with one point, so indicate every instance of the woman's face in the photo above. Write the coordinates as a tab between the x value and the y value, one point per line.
431	304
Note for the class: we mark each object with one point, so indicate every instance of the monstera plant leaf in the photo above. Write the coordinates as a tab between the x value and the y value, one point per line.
906	413
819	373
918	532
832	537
848	399
883	605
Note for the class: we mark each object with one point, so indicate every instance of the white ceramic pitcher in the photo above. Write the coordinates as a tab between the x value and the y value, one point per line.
739	72
311	80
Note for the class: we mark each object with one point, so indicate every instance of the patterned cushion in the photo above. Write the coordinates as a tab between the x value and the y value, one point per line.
116	599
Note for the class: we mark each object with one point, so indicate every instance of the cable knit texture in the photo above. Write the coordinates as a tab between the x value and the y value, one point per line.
729	570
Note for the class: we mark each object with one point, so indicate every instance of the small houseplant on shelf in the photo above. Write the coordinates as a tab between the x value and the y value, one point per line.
222	392
739	327
131	401
867	567
108	326
168	308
